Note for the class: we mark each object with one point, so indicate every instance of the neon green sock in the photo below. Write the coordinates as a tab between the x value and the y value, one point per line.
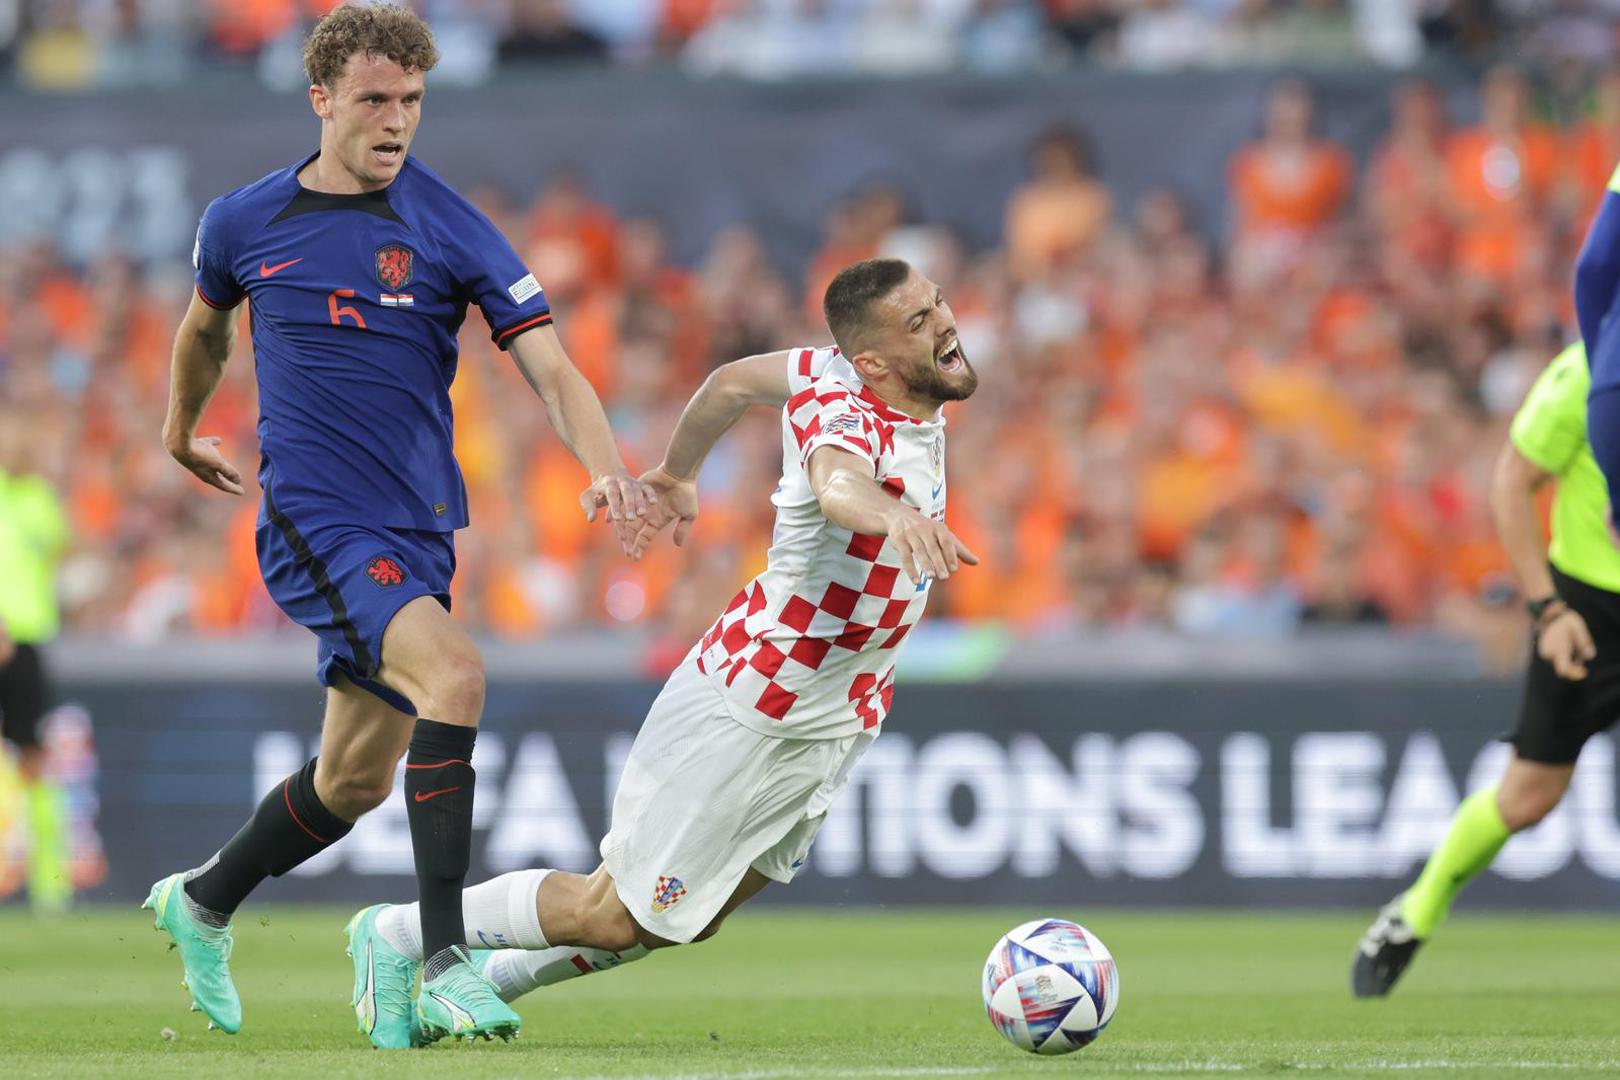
1477	833
49	888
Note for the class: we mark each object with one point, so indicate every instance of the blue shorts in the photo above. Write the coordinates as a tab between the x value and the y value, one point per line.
346	583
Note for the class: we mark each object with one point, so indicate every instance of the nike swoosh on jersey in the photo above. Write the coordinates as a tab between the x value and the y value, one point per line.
424	796
266	270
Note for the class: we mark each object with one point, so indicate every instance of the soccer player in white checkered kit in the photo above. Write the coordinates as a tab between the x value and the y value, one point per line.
754	734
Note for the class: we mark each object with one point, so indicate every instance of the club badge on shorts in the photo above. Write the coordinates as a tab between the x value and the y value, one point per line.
385	572
667	893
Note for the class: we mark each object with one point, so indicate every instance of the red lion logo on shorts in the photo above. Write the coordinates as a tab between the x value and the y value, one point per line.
394	266
385	572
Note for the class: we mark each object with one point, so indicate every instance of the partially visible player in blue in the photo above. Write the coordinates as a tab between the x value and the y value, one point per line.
359	265
1597	298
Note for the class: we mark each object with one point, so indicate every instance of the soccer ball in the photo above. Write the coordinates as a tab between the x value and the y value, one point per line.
1050	987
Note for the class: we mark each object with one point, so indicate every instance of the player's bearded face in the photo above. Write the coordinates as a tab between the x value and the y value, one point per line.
922	345
372	116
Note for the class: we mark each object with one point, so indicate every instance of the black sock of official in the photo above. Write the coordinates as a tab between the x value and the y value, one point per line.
290	826
439	800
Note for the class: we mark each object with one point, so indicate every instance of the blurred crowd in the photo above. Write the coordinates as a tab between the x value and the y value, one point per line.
1294	426
69	44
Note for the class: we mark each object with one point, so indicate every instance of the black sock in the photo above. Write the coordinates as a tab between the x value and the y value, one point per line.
290	826
439	800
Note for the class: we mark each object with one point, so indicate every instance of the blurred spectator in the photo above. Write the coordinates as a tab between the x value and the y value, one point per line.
1503	172
1060	210
678	21
1241	591
1596	144
1083	25
1163	35
903	37
543	31
1289	184
629	28
1466	27
1338	598
573	241
57	54
1407	186
771	40
1003	37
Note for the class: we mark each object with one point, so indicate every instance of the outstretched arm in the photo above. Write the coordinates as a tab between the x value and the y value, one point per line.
725	395
728	392
576	414
202	345
850	496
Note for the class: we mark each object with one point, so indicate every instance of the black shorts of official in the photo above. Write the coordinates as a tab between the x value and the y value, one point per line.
22	697
1558	714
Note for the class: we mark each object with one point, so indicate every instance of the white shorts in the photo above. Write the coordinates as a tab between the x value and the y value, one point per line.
703	799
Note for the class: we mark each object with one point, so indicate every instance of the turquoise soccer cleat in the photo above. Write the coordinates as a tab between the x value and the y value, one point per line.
384	979
205	952
461	1003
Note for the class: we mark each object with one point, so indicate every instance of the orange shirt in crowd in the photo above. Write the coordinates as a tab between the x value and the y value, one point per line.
1048	222
243	26
1289	193
1498	185
1410	196
1594	152
588	239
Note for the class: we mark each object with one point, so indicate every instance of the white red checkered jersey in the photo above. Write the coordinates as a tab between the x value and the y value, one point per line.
807	649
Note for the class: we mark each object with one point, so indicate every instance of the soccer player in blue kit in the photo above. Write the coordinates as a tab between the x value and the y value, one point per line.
360	264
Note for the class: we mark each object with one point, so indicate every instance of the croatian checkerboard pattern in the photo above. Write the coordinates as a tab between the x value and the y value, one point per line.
808	648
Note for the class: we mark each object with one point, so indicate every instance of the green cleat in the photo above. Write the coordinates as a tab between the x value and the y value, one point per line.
384	979
461	1003
205	952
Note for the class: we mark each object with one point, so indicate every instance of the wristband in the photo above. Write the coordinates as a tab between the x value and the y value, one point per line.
1539	607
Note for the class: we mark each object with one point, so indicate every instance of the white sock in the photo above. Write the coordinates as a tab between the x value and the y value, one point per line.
499	914
515	973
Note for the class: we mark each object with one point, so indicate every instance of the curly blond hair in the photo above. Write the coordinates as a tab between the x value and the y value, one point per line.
374	29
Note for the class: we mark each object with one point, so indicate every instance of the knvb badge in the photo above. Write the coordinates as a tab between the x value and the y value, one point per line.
385	572
396	266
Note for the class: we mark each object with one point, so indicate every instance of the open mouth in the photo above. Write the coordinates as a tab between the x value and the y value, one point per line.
388	153
950	360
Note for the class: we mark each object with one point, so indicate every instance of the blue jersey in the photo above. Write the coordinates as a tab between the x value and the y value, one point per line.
356	301
1597	299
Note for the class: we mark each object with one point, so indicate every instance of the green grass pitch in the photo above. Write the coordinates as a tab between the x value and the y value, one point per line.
784	994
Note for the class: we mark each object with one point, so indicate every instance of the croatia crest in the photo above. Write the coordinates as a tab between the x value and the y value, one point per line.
667	893
395	267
